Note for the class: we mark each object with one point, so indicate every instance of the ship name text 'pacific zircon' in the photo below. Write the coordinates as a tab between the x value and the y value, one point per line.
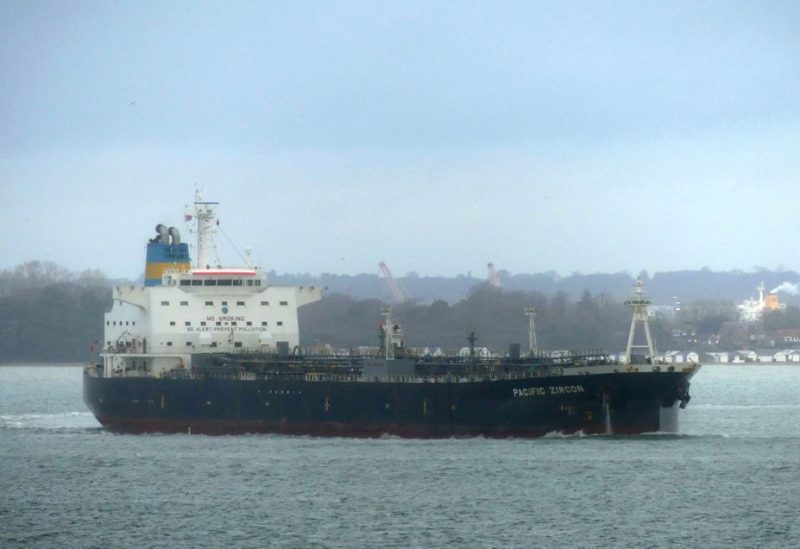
542	391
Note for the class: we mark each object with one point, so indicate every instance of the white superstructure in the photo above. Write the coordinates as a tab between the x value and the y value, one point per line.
153	329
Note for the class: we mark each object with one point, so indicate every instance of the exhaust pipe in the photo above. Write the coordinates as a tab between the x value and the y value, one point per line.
163	233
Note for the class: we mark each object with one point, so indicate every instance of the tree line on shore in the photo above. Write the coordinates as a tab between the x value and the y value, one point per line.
48	314
496	317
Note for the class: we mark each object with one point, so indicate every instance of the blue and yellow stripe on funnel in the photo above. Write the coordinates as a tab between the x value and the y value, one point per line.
165	257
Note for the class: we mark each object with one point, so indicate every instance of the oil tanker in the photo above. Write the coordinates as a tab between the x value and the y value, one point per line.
207	349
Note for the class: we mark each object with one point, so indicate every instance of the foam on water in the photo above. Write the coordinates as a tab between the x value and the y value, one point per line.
58	421
560	434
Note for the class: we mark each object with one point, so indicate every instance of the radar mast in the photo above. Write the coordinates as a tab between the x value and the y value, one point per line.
204	212
639	303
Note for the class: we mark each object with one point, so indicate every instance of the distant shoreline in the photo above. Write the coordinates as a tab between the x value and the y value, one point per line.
41	364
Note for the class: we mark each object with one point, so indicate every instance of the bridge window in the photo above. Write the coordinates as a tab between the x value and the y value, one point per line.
249	282
257	282
209	282
237	282
225	282
186	282
197	282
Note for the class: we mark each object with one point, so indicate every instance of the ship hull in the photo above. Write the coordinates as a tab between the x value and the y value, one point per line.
613	403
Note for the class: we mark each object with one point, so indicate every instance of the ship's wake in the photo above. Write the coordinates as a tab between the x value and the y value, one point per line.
663	435
62	421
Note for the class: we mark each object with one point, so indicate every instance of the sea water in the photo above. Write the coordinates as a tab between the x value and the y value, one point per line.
730	478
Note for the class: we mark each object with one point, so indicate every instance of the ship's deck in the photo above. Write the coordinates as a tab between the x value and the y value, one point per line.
451	369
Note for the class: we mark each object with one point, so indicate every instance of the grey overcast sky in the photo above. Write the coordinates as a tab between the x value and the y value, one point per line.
435	136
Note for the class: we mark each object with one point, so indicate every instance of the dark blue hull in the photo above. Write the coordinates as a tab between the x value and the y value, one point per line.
616	403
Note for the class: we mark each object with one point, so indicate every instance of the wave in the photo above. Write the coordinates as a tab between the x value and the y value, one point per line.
49	422
559	434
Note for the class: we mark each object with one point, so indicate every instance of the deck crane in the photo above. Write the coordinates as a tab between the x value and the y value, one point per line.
494	277
398	293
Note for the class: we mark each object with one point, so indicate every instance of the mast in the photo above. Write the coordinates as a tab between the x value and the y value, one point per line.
639	302
388	342
205	214
533	346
